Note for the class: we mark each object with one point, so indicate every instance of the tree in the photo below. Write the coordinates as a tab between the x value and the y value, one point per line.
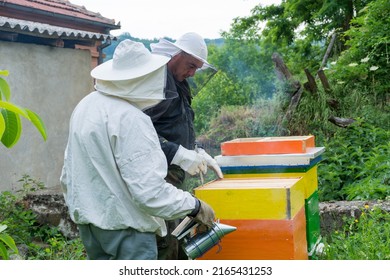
365	64
245	74
299	29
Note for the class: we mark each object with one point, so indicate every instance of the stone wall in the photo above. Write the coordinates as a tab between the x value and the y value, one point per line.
49	205
332	214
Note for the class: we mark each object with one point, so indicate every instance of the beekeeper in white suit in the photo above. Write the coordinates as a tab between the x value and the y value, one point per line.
114	168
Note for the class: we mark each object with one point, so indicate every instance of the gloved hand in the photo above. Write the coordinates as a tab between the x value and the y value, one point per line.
190	161
212	163
205	216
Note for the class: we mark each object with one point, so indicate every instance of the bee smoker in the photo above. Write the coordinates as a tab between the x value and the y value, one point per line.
195	244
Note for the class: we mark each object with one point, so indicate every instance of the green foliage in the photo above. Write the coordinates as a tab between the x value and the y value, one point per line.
366	62
6	241
298	29
208	102
249	67
313	107
232	122
20	220
43	242
29	185
245	121
373	181
54	246
10	123
363	238
356	158
245	75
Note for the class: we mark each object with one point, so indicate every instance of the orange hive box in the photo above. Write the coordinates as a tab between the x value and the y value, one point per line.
263	240
267	145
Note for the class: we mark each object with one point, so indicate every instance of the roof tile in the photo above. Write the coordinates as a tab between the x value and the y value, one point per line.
62	7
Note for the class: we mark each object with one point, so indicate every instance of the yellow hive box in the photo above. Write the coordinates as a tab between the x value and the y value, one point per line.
254	198
309	178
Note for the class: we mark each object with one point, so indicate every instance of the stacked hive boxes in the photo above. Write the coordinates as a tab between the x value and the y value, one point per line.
269	192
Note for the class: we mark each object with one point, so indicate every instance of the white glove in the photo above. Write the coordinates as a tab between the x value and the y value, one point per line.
190	161
212	163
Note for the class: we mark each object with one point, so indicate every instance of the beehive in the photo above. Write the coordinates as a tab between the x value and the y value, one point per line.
278	157
266	211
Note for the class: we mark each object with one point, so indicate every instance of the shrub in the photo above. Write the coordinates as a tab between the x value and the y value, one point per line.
356	158
363	238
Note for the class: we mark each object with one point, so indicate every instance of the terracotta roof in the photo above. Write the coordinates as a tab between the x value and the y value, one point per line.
47	30
62	7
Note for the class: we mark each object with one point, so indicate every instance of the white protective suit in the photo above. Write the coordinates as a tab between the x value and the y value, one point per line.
114	168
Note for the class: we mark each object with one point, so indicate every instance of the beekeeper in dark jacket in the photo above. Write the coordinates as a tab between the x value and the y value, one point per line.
173	119
114	168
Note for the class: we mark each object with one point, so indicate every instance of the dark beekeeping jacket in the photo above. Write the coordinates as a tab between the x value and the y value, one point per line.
173	119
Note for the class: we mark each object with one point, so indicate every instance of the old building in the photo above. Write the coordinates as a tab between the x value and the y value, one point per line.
49	48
